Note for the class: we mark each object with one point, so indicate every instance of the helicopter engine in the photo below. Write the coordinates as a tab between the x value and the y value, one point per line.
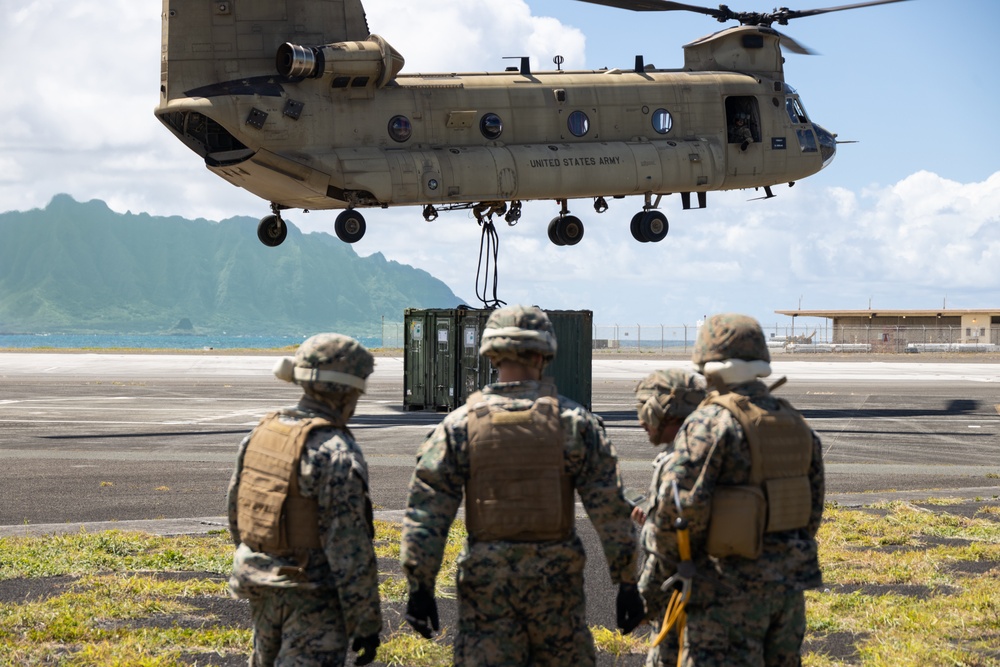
347	63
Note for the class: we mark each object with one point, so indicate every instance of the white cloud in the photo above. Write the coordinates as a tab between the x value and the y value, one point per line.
463	36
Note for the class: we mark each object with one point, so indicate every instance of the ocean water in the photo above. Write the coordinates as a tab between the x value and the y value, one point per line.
153	341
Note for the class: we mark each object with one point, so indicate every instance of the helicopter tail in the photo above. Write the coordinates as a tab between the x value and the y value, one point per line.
205	42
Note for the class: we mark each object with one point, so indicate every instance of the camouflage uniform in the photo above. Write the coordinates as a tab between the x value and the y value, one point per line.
671	394
307	606
520	602
742	611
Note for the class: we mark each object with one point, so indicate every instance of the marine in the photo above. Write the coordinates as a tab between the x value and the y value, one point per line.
301	518
517	451
664	399
747	475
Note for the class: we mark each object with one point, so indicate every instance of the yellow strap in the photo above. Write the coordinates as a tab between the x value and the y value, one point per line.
684	544
674	615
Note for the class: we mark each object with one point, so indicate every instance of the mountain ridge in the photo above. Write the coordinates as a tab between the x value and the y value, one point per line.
79	267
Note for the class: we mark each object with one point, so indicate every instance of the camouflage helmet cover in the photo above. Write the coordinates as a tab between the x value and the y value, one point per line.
512	332
330	362
673	393
730	336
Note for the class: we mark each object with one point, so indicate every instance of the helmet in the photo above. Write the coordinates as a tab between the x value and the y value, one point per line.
673	393
328	363
515	331
730	336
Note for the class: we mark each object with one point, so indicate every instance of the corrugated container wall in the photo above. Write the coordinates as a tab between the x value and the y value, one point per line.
442	365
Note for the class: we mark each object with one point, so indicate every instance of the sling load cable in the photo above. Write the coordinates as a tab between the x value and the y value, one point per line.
489	248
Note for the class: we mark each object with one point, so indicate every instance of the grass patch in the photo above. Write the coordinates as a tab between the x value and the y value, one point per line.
407	649
904	586
615	643
93	624
113	550
913	587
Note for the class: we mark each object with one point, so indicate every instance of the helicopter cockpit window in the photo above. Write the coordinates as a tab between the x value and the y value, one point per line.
578	123
662	121
807	141
400	128
491	126
795	110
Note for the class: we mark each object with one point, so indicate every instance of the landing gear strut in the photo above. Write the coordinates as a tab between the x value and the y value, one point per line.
565	229
350	226
271	230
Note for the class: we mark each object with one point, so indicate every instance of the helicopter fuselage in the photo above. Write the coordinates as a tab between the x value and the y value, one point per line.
424	139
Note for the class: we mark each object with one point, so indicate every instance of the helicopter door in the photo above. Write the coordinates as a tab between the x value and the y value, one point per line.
744	153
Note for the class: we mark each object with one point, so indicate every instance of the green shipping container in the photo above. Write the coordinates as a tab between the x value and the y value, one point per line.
442	366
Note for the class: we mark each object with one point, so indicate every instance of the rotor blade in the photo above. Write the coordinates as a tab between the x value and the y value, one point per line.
660	6
796	14
793	46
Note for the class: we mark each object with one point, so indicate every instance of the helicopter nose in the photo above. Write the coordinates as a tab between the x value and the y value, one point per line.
827	144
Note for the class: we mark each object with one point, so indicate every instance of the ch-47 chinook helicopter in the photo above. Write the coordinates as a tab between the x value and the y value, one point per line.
295	101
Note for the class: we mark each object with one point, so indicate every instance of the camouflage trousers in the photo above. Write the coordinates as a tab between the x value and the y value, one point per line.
654	570
759	629
296	627
517	621
663	654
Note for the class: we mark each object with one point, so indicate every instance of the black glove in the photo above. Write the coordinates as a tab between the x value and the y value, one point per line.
422	612
365	647
629	607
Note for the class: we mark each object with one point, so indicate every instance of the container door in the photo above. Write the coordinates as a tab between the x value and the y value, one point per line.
444	364
416	360
573	366
477	371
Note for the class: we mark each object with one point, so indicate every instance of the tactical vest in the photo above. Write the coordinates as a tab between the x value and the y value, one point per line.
517	488
778	496
272	516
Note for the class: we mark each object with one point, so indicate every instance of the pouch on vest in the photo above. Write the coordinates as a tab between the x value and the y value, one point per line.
737	525
780	444
272	516
517	489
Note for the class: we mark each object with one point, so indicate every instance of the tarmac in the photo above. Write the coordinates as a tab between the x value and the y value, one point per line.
147	441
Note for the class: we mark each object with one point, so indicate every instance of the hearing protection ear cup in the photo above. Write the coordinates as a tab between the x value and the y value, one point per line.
652	412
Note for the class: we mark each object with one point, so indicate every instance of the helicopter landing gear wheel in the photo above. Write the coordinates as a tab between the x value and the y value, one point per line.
566	230
271	230
350	226
570	229
634	227
554	232
653	226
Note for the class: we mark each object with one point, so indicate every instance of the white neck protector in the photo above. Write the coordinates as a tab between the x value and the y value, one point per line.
737	371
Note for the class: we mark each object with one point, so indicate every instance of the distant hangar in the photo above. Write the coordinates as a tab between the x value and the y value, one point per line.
914	328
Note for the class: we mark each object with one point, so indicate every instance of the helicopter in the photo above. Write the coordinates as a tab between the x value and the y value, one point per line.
298	103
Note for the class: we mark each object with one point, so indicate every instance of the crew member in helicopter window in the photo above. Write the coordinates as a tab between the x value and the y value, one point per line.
740	132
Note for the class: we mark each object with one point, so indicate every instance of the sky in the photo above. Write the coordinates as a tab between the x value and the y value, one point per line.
908	217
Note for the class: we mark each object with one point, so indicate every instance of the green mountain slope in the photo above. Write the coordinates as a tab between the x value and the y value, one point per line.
81	267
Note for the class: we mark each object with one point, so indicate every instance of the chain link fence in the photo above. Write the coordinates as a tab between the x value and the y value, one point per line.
791	338
679	338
